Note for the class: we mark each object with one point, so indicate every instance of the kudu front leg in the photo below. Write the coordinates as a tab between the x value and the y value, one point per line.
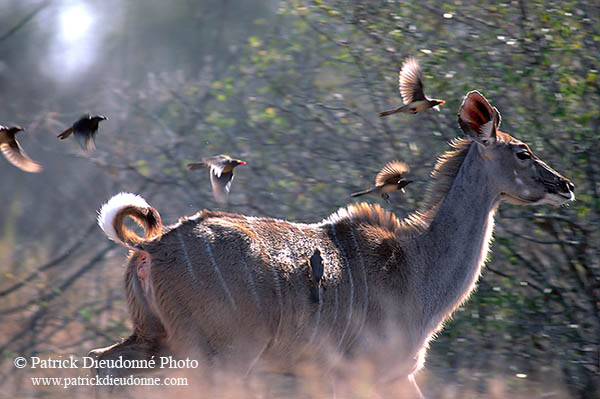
401	388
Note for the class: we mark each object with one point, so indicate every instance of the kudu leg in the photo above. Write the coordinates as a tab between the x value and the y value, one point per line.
402	388
133	348
413	384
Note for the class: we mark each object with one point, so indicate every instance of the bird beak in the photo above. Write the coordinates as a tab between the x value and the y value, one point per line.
242	162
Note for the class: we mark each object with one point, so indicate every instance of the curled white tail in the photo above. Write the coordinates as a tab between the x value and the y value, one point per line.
113	213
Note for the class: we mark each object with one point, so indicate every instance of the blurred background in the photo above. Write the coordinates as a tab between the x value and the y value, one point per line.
294	89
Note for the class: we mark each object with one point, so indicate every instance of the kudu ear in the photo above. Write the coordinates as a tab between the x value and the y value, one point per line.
497	118
478	119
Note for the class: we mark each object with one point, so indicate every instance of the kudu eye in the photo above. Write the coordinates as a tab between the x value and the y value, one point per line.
523	155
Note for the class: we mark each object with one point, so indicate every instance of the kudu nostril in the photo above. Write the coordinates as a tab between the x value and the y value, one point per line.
566	186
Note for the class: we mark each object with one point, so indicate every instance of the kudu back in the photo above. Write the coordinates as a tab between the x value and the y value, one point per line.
223	286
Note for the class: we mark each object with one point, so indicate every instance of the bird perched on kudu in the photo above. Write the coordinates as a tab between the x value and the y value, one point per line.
316	274
85	131
389	179
13	152
221	173
410	82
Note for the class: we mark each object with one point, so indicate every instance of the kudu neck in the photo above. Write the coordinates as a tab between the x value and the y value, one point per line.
470	199
454	246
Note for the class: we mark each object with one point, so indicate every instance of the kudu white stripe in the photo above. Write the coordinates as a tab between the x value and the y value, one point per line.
216	267
364	271
296	259
188	263
314	333
335	313
350	281
250	279
276	281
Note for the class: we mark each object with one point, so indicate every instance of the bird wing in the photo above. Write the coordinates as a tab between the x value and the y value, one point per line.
83	123
216	169
14	154
86	139
391	173
221	185
410	81
217	163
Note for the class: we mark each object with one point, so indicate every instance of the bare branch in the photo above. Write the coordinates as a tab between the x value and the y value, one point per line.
49	265
25	20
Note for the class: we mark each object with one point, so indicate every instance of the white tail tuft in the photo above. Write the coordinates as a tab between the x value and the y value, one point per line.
107	213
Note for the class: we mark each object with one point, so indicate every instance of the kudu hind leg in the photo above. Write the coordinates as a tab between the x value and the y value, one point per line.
132	348
147	341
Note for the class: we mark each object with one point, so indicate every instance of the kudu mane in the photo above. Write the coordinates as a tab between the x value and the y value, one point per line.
442	176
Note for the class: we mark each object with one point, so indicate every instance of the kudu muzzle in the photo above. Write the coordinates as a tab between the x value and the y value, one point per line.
553	181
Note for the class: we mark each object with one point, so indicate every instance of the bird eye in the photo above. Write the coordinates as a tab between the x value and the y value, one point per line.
523	155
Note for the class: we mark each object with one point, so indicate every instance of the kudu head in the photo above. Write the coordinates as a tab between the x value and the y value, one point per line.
517	175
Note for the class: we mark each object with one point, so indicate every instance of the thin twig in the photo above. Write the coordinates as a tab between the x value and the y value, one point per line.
24	21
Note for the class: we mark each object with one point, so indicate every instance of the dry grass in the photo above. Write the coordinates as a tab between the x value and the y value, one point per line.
354	378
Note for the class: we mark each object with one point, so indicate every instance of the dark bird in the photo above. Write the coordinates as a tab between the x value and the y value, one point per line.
316	272
221	173
410	82
85	131
13	152
389	179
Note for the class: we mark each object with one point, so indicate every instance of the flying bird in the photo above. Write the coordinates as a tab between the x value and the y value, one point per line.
410	82
221	173
389	179
85	131
13	152
316	270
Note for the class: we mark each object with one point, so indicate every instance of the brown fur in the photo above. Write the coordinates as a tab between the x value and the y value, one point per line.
148	218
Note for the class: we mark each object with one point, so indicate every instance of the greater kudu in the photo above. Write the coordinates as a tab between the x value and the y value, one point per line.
224	285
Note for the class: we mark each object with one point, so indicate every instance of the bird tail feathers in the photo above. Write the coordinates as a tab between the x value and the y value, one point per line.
65	134
368	191
196	165
391	111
